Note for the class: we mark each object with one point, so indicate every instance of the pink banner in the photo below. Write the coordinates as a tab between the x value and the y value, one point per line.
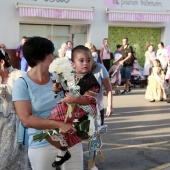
56	13
138	17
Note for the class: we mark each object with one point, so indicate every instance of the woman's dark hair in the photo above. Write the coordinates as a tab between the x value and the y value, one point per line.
158	61
4	56
162	44
79	48
35	50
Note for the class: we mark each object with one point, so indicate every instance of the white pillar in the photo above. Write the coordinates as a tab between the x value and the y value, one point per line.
98	30
165	35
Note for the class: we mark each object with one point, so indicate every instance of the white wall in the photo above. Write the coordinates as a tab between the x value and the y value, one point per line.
166	35
98	28
9	25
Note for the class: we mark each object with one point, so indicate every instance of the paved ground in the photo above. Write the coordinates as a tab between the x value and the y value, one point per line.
138	137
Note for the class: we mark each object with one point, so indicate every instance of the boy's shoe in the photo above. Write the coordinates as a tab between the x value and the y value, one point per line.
124	92
61	159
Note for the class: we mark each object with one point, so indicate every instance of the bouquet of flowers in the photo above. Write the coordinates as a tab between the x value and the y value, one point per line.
63	73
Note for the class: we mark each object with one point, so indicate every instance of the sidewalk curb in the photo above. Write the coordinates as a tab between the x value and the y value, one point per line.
162	167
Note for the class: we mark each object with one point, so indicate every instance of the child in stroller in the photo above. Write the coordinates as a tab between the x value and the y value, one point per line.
137	77
115	77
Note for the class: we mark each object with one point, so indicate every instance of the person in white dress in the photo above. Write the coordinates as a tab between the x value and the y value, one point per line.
62	50
162	56
68	49
149	58
13	155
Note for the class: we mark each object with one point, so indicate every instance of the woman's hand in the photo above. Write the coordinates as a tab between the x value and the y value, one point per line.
109	111
56	87
67	128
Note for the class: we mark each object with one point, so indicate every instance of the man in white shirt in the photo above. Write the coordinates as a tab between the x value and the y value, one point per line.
68	50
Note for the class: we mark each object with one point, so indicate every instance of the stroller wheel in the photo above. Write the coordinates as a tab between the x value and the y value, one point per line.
117	92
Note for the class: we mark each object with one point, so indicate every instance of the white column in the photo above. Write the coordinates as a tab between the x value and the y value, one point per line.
165	35
98	30
9	26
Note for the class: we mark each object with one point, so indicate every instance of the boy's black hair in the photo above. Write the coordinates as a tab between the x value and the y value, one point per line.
79	48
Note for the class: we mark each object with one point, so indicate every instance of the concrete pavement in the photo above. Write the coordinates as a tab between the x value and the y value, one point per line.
138	135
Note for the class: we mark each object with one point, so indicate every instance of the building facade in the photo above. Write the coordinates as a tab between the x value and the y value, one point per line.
143	21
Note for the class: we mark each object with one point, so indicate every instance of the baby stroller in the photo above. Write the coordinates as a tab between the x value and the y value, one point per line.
136	76
115	77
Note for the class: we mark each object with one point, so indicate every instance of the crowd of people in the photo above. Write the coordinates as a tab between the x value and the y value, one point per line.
21	102
156	69
20	91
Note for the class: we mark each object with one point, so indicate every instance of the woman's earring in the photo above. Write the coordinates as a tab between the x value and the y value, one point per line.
2	67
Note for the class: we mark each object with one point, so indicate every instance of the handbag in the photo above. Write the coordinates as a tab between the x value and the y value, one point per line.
22	130
22	134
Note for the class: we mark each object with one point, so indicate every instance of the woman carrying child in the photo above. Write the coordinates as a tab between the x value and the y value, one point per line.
34	100
155	90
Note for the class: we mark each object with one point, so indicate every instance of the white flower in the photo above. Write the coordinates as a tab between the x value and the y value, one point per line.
62	67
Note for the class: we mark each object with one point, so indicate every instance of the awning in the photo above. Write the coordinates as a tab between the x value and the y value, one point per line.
55	12
137	16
